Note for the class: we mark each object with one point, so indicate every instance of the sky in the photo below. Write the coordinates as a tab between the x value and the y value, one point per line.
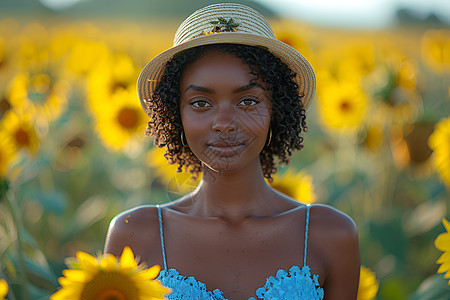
340	13
357	13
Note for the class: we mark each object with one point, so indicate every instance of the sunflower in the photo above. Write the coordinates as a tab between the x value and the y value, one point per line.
436	49
368	285
39	94
342	105
351	62
439	143
372	137
3	289
298	185
442	243
177	183
107	277
19	129
119	74
294	34
120	120
7	153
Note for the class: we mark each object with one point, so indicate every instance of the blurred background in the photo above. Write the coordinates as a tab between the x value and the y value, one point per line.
73	152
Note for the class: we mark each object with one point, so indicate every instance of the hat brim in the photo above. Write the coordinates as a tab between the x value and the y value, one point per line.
152	72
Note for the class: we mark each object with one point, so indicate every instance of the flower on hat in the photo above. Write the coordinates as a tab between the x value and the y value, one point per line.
221	25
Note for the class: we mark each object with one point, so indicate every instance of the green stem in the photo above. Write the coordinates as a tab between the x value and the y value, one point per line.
18	222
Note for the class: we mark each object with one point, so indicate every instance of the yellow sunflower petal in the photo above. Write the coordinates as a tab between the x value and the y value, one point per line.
61	294
368	285
150	273
442	243
3	288
88	263
126	260
75	275
108	262
157	291
106	277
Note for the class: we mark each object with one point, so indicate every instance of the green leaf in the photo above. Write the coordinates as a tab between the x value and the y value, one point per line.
434	287
4	186
222	20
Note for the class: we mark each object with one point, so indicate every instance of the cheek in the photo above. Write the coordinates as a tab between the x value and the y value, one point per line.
258	122
194	128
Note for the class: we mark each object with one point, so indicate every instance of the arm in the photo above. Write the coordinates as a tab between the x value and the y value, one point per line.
340	249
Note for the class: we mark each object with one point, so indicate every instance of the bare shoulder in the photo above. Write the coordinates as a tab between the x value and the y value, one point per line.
135	228
332	222
334	237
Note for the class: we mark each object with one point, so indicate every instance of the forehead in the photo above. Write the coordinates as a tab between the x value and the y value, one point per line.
217	67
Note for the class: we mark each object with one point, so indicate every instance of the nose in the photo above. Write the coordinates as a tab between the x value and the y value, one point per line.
224	121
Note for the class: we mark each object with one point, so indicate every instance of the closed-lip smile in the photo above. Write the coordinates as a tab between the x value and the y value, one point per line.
226	147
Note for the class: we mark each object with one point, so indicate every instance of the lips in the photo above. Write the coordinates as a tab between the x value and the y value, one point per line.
226	147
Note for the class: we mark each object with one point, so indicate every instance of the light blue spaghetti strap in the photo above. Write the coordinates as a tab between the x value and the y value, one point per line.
161	236
306	234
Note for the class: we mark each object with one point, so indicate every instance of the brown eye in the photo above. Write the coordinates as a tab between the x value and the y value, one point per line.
248	102
201	104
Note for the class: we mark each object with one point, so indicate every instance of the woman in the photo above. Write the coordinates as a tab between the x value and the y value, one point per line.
225	100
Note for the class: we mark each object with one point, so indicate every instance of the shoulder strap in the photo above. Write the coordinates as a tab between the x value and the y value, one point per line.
308	207
161	236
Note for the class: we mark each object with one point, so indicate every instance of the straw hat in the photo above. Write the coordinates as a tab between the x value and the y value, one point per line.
227	23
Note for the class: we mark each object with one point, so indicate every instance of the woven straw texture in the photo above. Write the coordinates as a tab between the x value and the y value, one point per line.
253	30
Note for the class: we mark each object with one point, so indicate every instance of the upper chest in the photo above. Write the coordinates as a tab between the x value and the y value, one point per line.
235	258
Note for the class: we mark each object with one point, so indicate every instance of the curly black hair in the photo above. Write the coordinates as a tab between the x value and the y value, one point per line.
288	113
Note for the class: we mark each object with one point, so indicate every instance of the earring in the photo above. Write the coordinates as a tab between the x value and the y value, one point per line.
270	137
182	140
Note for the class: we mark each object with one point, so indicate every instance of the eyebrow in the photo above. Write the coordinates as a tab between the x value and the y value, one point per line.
199	88
238	90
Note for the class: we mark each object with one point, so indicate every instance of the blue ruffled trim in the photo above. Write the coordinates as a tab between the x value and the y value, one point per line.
295	284
187	287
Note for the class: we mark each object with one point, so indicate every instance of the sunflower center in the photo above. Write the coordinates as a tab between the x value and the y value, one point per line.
128	118
22	138
345	105
39	88
111	295
110	286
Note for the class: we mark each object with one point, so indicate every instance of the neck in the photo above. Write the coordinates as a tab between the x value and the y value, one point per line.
233	196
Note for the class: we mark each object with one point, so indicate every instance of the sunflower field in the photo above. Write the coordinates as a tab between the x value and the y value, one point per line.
73	152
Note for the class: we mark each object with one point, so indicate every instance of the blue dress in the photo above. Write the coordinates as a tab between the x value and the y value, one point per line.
294	284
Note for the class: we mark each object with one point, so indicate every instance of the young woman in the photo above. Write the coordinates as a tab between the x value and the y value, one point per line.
226	101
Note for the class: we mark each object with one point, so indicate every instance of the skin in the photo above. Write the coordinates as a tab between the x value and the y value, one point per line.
234	230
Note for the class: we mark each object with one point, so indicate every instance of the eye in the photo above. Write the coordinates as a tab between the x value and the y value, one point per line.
248	102
200	104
